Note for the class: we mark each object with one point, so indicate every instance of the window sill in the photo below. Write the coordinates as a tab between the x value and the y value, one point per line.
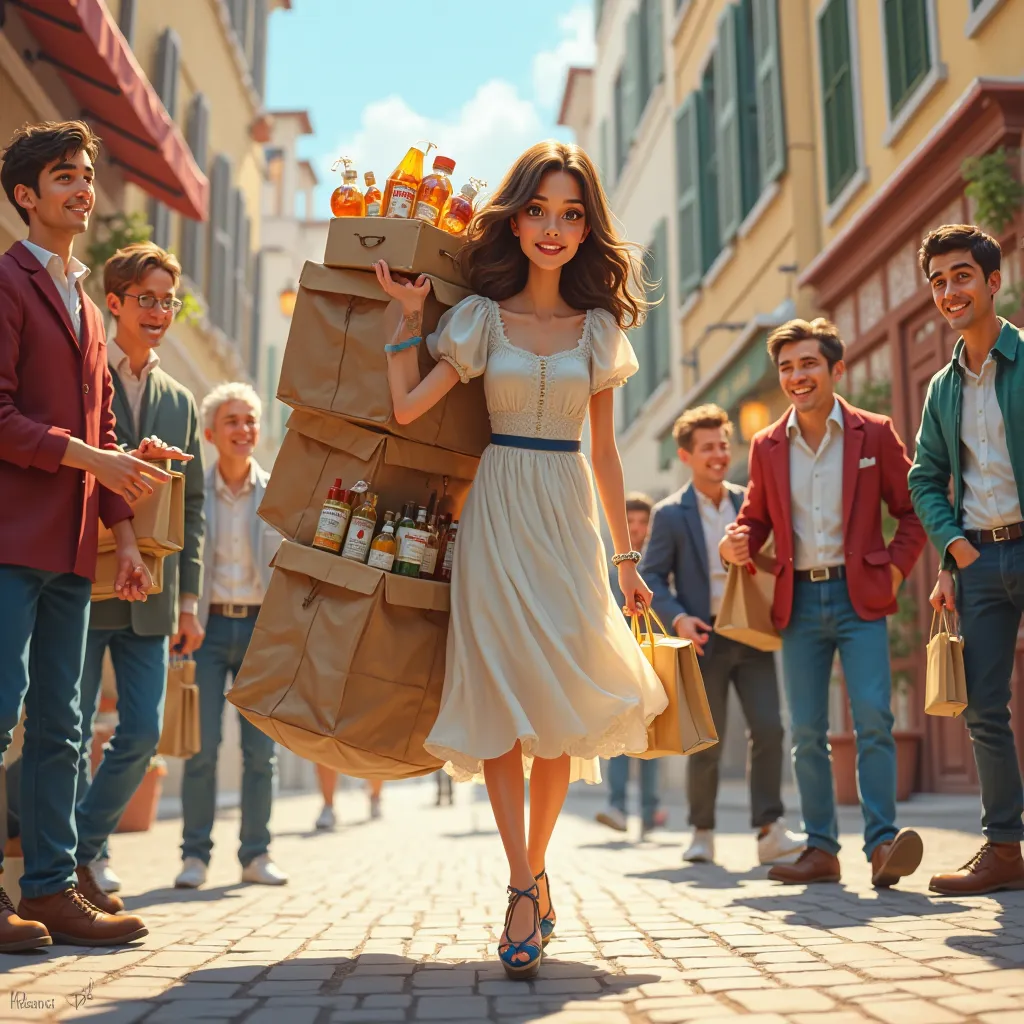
938	74
978	17
766	198
835	209
690	303
716	268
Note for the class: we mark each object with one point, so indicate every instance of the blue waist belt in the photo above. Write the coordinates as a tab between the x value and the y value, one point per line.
538	444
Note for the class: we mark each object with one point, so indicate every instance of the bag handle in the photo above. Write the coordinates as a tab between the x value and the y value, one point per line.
944	624
450	255
647	614
370	241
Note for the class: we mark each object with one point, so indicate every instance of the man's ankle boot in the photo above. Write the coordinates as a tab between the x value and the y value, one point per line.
89	887
813	865
17	934
70	917
994	867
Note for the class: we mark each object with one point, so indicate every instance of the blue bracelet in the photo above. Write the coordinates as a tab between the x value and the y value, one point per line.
401	346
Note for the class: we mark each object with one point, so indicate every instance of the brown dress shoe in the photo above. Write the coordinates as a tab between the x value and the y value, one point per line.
813	865
90	889
994	867
893	860
72	919
17	934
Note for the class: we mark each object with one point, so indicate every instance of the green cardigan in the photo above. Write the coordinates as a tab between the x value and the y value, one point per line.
169	412
937	457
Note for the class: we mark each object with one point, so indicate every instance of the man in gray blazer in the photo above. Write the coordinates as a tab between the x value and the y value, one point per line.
239	547
682	567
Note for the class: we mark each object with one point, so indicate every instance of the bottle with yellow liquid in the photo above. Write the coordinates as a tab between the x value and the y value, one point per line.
347	200
372	196
384	546
435	190
360	529
458	211
400	191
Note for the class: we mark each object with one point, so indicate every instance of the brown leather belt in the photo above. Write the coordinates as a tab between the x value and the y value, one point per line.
822	574
235	611
996	536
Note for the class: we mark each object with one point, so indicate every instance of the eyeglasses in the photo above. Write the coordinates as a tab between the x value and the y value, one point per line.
148	301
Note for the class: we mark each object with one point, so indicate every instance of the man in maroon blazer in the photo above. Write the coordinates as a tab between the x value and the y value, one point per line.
60	470
818	478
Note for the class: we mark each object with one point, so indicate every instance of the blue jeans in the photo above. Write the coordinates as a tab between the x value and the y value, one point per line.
823	622
222	652
44	617
990	598
140	665
618	775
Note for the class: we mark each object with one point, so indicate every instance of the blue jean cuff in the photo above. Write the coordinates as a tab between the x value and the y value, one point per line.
829	846
995	836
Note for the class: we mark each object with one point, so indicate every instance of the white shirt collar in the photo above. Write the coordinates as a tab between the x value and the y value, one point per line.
984	366
119	361
77	270
835	416
221	485
708	503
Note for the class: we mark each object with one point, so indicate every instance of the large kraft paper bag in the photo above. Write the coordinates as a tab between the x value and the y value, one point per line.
335	362
158	518
106	574
746	612
180	736
346	664
317	450
945	681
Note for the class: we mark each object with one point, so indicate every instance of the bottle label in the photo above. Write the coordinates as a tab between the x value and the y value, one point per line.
402	199
424	211
429	562
373	209
414	544
330	529
357	543
449	556
381	559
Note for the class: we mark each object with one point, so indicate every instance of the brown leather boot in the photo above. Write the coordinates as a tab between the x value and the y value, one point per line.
90	889
893	860
813	865
72	919
17	934
994	867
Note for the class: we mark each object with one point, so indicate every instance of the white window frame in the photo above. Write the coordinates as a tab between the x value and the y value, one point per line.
976	18
834	210
937	74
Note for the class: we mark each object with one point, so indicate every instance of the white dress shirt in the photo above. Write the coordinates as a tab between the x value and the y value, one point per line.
236	578
990	490
816	494
713	520
134	387
67	284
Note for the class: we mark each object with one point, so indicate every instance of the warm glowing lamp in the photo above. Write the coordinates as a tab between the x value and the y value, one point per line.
287	299
754	416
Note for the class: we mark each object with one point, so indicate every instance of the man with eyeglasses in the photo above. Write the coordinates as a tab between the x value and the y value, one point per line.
140	282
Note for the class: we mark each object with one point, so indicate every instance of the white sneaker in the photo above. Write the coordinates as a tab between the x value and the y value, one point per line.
263	871
374	808
326	821
193	874
105	876
702	847
780	846
613	818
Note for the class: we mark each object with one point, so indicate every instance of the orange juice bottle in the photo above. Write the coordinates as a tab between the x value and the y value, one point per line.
372	196
435	190
347	200
458	211
401	188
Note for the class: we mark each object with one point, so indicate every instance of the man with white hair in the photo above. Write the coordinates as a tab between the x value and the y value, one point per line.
236	573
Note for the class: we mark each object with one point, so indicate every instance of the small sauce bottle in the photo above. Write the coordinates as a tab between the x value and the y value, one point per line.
360	530
435	190
384	546
430	550
372	196
458	211
334	516
347	200
414	543
445	572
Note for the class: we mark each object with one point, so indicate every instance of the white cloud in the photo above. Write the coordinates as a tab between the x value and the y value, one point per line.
576	48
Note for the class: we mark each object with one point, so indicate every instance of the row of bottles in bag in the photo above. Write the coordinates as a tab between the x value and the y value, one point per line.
417	543
408	194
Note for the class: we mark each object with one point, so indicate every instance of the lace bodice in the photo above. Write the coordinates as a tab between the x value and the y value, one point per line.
527	394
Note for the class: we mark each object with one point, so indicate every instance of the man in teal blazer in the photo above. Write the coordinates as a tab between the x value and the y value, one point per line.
971	433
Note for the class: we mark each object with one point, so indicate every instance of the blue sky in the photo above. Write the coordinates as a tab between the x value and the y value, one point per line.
482	79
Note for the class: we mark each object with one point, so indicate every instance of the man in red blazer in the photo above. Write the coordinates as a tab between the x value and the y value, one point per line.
60	470
818	478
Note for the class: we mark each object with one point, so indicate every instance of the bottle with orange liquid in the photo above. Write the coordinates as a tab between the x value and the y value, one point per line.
347	200
458	211
400	191
435	190
372	196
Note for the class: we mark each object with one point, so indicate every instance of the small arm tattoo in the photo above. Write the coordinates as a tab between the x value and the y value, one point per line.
414	322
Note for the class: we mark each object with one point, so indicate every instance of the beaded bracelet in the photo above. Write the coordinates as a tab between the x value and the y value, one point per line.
628	556
401	346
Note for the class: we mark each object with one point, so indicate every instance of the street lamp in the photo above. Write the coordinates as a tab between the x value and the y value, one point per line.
287	300
754	416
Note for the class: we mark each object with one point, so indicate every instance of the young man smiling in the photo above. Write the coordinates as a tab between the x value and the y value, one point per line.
817	480
971	432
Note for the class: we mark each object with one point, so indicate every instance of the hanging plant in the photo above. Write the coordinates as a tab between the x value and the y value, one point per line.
192	311
992	186
120	229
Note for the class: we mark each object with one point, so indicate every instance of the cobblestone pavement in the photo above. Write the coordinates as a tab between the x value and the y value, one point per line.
395	920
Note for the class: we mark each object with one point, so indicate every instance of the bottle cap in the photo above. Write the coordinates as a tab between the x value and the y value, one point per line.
360	487
370	178
444	163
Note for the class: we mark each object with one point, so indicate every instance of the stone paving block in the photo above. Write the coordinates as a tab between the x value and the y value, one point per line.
980	1002
296	1015
108	1012
1002	1017
397	1001
239	974
451	978
221	1009
919	1011
373	984
817	979
900	973
367	1016
301	972
207	990
565	986
682	1015
445	1009
994	980
782	1001
735	984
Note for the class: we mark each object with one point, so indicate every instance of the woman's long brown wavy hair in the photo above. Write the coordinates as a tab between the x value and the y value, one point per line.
604	274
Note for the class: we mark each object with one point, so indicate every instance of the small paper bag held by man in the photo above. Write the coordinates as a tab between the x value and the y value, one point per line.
945	682
686	725
746	612
180	734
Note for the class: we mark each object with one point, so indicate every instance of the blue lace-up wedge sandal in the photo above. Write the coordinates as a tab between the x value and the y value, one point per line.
521	970
547	919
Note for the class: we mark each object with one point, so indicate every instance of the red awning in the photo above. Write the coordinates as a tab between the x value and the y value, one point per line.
82	41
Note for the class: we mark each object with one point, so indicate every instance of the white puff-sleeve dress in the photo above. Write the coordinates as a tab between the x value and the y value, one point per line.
538	650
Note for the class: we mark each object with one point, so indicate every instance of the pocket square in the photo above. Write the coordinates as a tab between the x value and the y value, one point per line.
864	463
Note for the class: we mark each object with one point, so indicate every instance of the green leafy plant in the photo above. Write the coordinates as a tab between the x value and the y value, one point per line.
191	311
119	230
1009	301
994	188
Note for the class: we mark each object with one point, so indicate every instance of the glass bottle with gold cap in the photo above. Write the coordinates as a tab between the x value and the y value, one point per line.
347	200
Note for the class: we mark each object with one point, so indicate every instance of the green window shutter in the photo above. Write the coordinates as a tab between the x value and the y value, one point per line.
727	128
688	196
771	129
655	56
632	79
603	164
746	80
837	97
662	333
635	391
908	51
621	133
711	244
598	11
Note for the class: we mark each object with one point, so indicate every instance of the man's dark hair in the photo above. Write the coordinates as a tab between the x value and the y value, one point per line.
637	502
823	331
984	249
33	146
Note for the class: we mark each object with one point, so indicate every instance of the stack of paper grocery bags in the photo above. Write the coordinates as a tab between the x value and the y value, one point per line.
346	662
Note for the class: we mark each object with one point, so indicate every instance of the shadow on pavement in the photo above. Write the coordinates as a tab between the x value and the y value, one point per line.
704	876
805	905
168	894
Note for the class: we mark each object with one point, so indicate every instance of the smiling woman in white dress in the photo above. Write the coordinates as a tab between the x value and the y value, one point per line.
541	666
